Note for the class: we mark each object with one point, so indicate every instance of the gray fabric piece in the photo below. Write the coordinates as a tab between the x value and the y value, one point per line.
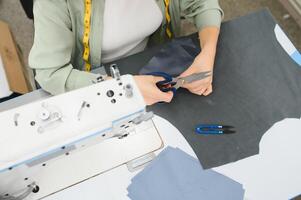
176	175
255	85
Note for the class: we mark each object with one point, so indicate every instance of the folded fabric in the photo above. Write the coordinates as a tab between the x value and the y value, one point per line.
174	58
176	175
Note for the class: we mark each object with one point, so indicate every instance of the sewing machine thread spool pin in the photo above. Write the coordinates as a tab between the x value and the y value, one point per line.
114	71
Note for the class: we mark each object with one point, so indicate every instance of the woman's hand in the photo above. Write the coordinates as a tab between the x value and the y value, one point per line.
149	90
203	62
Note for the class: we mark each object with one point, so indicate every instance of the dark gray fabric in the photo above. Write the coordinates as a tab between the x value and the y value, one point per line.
173	58
256	84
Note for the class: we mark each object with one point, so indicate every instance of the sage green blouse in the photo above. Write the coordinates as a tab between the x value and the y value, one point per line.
56	54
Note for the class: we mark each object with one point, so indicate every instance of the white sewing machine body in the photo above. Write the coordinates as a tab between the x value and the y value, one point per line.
49	145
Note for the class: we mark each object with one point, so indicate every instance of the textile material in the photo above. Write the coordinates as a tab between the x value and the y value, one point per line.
176	175
173	58
255	85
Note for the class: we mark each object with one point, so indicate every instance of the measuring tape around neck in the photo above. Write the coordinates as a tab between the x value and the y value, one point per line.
87	27
167	16
87	20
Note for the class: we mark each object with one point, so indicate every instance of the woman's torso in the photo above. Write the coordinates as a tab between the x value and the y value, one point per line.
127	26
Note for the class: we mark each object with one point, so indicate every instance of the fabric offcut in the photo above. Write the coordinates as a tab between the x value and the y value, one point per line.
173	58
176	175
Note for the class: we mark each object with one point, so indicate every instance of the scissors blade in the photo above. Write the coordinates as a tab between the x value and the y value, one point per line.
196	76
191	78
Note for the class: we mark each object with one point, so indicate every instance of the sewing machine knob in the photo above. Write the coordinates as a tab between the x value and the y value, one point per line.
44	114
110	93
36	189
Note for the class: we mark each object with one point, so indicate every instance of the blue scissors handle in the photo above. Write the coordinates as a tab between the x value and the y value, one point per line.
214	129
165	85
166	76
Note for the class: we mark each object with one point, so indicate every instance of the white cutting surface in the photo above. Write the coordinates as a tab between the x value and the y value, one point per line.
284	41
4	87
275	172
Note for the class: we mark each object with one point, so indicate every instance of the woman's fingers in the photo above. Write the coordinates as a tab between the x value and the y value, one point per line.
159	97
162	96
203	90
200	92
208	91
198	88
197	84
193	85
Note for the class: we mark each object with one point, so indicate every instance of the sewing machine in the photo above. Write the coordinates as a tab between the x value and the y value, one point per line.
49	145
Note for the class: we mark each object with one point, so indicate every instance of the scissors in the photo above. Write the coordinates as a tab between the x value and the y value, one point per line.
214	129
172	84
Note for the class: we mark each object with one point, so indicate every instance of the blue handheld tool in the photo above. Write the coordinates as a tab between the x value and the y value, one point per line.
214	129
172	84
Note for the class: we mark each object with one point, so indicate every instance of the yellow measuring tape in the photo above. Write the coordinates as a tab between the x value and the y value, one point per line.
167	16
87	19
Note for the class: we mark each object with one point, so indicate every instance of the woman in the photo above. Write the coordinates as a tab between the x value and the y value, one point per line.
73	36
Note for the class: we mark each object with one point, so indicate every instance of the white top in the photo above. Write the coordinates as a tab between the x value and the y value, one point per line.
127	25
